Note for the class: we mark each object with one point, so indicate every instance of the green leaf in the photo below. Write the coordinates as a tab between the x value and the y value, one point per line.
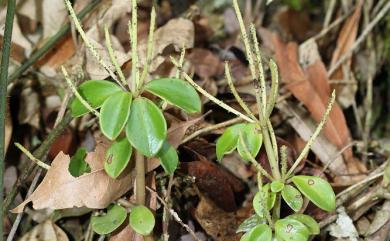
228	141
245	237
252	139
142	220
277	186
270	196
117	157
258	203
95	92
269	200
168	158
250	223
177	92
260	233
77	165
146	128
107	223
114	114
291	229
311	224
292	197
316	190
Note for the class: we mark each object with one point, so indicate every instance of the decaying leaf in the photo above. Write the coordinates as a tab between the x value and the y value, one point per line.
344	227
59	189
346	39
46	231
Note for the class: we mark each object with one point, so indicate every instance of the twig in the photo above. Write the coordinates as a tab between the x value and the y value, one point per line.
39	153
174	215
31	157
181	61
50	43
3	95
329	13
361	38
166	215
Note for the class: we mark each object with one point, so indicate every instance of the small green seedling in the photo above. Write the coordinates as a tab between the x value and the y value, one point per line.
247	138
131	121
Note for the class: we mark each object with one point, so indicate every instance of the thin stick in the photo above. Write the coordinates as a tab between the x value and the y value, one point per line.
150	46
252	159
77	94
31	157
91	48
113	57
3	95
134	46
315	134
210	97
235	94
361	38
50	43
181	62
175	215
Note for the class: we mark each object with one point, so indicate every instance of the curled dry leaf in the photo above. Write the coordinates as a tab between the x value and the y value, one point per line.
346	39
46	231
59	189
177	33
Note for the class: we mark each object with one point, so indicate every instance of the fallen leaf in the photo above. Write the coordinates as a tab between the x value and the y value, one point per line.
344	227
59	189
46	231
346	39
178	129
206	63
29	108
382	216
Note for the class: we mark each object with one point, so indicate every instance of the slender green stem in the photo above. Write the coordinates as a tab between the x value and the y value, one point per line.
276	208
32	157
270	153
134	46
263	199
314	136
50	43
283	158
274	88
113	57
3	95
149	51
140	178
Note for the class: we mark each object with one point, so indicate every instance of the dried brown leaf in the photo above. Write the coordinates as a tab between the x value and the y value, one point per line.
46	231
59	189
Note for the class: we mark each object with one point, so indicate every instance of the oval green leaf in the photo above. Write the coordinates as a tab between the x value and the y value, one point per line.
260	233
317	190
77	165
277	186
270	196
95	92
146	128
228	141
252	139
291	229
292	197
117	157
258	203
250	223
311	224
168	158
142	220
107	223
114	114
177	92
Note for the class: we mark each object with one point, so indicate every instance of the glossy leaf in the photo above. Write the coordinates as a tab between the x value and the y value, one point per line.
177	92
168	158
277	186
252	139
250	223
309	222
258	203
316	190
95	92
117	157
291	229
146	128
292	197
107	223
114	114
245	237
77	165
260	233
142	220
228	141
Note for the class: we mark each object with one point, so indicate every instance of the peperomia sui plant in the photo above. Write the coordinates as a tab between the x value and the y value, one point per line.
247	138
135	124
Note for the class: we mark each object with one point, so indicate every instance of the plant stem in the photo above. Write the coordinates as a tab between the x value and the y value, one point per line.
50	43
133	41
140	178
3	95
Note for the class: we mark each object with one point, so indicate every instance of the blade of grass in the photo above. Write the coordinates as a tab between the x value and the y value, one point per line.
3	94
